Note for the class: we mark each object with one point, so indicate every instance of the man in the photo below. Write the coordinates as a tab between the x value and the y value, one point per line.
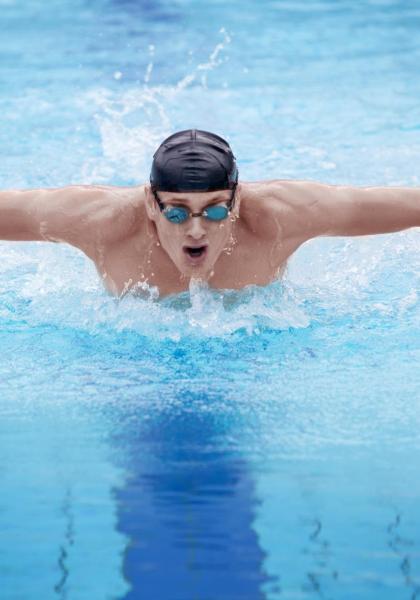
196	220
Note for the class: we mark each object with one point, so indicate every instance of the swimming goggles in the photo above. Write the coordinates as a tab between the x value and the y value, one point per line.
179	214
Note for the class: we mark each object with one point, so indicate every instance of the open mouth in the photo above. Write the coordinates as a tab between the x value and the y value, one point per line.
195	252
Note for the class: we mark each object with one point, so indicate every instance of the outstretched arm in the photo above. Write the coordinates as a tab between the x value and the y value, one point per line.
314	209
84	216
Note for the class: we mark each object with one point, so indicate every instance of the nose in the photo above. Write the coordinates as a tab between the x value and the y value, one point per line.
196	229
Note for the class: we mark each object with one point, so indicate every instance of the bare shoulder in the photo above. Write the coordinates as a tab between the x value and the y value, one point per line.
299	210
276	207
88	215
94	202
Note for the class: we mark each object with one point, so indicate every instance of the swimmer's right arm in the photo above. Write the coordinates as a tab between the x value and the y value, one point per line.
83	216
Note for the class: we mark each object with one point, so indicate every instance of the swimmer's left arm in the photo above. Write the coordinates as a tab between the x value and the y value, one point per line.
329	210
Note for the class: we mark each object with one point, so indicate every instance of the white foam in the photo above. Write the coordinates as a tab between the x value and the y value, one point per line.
342	277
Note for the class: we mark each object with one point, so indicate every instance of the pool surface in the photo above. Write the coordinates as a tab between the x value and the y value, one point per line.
261	444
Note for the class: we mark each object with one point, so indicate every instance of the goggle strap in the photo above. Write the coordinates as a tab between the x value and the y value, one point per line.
160	204
232	198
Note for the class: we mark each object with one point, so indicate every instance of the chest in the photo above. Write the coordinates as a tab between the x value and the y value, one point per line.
249	264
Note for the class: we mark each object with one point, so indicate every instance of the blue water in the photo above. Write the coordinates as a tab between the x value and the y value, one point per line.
258	444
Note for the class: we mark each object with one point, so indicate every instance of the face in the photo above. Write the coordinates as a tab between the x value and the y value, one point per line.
195	245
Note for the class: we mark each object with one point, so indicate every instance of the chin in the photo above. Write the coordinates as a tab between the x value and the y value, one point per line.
197	271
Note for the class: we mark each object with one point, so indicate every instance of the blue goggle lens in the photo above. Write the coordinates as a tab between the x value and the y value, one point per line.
176	214
216	213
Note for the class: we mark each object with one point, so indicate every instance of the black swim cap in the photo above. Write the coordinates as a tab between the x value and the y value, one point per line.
193	161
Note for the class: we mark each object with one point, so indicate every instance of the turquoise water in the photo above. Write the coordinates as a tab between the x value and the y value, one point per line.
259	444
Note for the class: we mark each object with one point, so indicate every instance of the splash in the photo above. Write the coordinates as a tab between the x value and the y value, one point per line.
56	286
359	276
46	284
132	123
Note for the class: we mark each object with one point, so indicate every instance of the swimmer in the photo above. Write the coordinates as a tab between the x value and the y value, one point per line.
196	220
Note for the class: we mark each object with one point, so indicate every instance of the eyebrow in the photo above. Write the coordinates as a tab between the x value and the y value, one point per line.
180	202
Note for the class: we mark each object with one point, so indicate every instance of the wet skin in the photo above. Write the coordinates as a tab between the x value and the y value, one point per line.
238	251
123	231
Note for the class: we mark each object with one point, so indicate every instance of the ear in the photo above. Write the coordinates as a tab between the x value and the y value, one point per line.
151	204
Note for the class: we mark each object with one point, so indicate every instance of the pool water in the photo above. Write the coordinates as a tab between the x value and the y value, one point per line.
253	444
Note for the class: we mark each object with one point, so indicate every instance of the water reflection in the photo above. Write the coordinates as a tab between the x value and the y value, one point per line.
187	506
155	11
403	550
319	554
67	542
